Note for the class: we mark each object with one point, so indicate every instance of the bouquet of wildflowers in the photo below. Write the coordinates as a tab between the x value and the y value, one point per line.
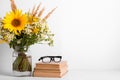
25	29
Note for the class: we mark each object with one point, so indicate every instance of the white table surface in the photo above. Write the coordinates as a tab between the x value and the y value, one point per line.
74	75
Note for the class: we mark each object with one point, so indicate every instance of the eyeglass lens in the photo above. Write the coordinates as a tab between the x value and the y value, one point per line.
56	59
46	60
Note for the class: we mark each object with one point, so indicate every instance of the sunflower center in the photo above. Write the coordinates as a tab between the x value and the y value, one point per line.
16	22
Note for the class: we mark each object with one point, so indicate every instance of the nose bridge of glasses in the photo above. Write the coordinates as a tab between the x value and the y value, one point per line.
52	58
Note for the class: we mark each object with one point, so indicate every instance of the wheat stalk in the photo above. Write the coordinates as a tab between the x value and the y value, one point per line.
33	9
41	12
13	6
48	15
35	12
0	19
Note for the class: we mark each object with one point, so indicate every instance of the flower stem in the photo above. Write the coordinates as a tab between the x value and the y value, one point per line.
22	63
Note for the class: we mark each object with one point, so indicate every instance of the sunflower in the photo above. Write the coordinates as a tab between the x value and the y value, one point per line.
15	21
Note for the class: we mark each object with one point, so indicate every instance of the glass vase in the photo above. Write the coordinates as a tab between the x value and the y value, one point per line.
22	62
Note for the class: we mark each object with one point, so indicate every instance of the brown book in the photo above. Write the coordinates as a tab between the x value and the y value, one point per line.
38	73
51	65
55	75
62	69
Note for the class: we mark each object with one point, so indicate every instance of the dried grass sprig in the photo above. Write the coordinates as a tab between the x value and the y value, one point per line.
41	12
33	9
35	12
13	5
48	15
0	19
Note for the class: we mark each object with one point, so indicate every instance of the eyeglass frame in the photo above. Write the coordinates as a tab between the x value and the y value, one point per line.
51	59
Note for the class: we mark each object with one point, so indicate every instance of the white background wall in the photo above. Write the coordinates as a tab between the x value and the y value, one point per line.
86	33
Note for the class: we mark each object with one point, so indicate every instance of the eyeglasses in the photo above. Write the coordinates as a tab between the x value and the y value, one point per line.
48	59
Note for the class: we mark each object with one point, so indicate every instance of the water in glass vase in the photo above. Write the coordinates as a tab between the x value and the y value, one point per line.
22	63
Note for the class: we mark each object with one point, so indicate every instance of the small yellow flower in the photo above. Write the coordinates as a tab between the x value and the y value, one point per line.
35	30
32	19
15	21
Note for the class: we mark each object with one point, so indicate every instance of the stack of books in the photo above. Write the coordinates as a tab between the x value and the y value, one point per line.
50	69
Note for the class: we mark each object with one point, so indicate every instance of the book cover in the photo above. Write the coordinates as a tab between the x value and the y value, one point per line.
62	69
49	74
51	65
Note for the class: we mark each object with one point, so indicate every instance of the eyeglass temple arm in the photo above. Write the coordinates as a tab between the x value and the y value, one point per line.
39	59
58	56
